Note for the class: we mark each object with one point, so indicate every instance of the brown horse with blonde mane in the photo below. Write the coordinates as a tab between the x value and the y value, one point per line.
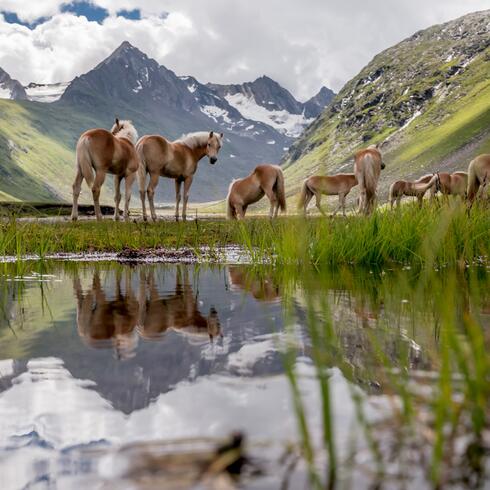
176	160
264	180
454	184
416	189
367	168
106	152
478	176
330	185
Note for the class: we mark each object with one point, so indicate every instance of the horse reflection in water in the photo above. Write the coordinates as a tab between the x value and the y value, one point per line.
179	311
104	322
263	287
112	315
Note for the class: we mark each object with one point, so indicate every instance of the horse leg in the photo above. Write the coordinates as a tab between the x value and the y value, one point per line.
117	196
150	191
99	180
187	186
341	205
308	198
362	200
177	198
77	185
318	197
398	202
128	184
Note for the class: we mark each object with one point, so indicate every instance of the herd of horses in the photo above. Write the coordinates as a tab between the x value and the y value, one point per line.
119	152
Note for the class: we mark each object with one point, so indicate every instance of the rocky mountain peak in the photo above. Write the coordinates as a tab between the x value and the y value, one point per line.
10	88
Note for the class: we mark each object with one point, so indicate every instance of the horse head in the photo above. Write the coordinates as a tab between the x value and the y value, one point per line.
124	129
214	144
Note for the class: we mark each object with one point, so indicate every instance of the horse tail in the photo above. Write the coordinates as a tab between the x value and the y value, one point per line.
84	160
370	182
392	196
142	168
473	182
280	189
230	209
304	194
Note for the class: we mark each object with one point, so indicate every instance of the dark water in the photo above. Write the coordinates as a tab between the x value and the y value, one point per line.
95	356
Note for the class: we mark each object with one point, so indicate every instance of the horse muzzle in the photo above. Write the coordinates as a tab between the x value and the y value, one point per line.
212	160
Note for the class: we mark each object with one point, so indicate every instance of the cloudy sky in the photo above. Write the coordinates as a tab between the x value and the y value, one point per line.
301	44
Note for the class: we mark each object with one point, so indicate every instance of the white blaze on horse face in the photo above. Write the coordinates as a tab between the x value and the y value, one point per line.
213	146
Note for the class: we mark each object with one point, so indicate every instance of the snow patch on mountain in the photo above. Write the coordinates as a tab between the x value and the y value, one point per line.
215	113
289	124
49	92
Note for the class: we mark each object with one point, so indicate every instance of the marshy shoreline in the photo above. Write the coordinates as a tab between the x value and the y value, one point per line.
431	236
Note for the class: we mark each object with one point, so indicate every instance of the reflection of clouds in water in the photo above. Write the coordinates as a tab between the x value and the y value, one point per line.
65	411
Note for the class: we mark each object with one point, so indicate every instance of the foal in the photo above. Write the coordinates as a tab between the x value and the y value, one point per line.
330	185
265	179
106	152
416	189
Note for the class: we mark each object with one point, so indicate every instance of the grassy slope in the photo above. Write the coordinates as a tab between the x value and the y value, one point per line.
37	151
454	125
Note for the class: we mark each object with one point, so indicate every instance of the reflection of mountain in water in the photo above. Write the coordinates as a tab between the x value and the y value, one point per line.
144	330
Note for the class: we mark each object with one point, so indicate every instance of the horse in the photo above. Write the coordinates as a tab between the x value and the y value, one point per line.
105	152
478	176
330	185
177	311
176	160
454	184
265	179
108	320
416	189
367	168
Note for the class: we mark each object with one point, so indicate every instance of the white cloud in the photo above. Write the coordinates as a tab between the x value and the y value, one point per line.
302	45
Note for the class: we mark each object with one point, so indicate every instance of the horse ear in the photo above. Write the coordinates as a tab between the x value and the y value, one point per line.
211	134
117	121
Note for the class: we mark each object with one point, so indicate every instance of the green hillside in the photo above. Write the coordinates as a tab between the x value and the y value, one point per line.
427	99
37	150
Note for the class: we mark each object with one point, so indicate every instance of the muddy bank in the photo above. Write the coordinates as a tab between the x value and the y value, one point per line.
183	255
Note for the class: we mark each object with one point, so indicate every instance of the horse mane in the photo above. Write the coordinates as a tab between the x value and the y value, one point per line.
128	131
196	140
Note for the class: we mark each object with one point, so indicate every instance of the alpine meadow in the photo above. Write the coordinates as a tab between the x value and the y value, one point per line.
244	248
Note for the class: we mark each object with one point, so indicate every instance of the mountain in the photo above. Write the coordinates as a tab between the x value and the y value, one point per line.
427	99
10	88
315	106
133	86
266	101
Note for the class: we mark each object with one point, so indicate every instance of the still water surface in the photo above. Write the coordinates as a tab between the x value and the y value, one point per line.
95	356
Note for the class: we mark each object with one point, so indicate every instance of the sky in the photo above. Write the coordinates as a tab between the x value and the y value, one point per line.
302	44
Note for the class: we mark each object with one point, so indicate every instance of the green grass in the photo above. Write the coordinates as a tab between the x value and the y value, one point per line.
439	426
427	236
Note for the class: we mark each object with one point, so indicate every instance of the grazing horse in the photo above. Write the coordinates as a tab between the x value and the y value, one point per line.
105	152
478	176
454	184
416	189
176	160
265	179
367	167
330	185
